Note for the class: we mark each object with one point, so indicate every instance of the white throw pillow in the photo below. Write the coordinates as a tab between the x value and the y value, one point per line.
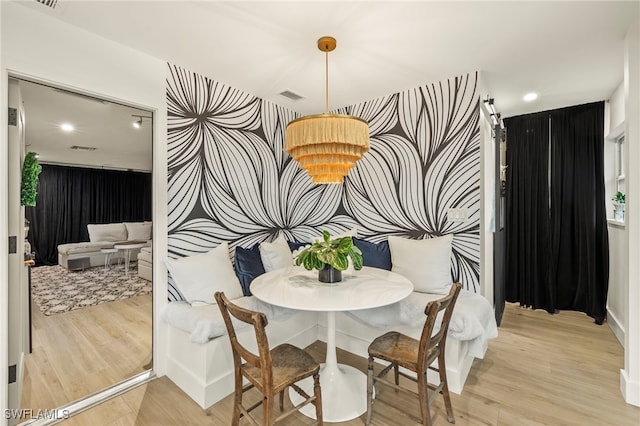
107	232
199	276
426	263
275	255
138	231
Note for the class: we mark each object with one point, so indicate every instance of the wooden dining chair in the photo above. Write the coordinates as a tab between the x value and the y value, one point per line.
417	356
270	371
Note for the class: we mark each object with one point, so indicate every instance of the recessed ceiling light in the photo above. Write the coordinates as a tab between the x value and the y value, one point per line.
530	97
67	127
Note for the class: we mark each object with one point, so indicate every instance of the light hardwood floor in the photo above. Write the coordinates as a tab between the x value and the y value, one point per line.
542	370
80	352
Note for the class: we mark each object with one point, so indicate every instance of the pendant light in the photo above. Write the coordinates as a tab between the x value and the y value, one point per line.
327	145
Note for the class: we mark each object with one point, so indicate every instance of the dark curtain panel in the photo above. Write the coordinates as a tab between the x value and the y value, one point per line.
579	266
556	233
70	198
527	211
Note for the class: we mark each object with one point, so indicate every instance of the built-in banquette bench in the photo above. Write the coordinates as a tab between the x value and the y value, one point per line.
199	356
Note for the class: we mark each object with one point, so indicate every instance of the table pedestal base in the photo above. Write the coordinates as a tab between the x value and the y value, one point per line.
344	393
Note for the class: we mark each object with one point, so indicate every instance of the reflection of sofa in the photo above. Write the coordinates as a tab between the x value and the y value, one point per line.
103	236
144	263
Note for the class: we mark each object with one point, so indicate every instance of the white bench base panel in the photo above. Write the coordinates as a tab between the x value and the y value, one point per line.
205	371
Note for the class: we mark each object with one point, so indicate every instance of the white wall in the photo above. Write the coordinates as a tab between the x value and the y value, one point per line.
616	108
36	46
613	128
487	201
630	375
618	288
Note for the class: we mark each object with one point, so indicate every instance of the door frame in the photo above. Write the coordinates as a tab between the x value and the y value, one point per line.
74	407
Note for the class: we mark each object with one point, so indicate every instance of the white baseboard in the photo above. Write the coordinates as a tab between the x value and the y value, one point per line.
616	326
630	389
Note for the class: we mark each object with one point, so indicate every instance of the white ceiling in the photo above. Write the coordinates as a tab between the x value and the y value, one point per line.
569	52
103	125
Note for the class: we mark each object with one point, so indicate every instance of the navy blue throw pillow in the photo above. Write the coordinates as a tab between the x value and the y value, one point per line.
375	255
295	245
248	265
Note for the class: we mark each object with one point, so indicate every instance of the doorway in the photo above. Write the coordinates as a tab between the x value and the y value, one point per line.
76	352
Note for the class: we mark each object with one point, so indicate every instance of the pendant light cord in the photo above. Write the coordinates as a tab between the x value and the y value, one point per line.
326	83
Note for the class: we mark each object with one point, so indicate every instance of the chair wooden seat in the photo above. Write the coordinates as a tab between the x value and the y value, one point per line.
416	356
270	371
396	348
290	364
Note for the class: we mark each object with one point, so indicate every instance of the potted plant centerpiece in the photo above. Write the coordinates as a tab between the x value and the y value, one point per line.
330	257
618	203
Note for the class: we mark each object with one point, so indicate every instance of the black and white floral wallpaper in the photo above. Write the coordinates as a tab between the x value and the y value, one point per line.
230	179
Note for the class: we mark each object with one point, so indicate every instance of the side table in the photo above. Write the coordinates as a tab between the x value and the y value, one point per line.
127	253
108	252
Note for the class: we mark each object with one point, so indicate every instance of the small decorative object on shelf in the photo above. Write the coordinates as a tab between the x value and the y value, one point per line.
330	257
618	202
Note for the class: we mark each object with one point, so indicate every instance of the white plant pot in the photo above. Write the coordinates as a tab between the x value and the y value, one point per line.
618	212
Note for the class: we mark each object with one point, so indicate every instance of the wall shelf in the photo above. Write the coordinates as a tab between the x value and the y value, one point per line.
616	223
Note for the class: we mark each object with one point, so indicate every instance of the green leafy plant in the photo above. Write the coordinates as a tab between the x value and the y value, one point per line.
619	198
30	171
334	252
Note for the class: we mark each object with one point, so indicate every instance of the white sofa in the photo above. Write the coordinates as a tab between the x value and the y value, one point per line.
145	262
102	236
199	356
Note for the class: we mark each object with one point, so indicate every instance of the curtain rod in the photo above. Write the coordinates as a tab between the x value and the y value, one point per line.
495	116
90	166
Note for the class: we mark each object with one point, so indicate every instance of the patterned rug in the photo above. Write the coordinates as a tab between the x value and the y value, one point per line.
55	289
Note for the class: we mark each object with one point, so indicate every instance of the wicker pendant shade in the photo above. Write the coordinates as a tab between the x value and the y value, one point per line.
327	145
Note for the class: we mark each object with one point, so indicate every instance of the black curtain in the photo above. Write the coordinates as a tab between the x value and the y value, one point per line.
527	211
70	198
579	269
557	241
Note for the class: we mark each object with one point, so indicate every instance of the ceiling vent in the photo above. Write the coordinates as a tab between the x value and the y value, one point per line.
291	95
51	3
84	148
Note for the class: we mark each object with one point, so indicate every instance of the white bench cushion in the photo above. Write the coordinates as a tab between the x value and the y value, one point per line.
472	318
204	322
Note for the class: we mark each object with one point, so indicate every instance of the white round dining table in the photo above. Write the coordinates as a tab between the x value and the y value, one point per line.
344	388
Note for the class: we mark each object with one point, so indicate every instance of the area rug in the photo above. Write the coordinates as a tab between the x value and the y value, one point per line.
55	289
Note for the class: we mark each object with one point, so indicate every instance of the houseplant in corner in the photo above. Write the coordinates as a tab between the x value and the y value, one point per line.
30	171
330	257
618	202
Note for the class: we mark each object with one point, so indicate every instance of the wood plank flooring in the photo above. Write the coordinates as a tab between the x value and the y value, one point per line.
542	370
80	352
